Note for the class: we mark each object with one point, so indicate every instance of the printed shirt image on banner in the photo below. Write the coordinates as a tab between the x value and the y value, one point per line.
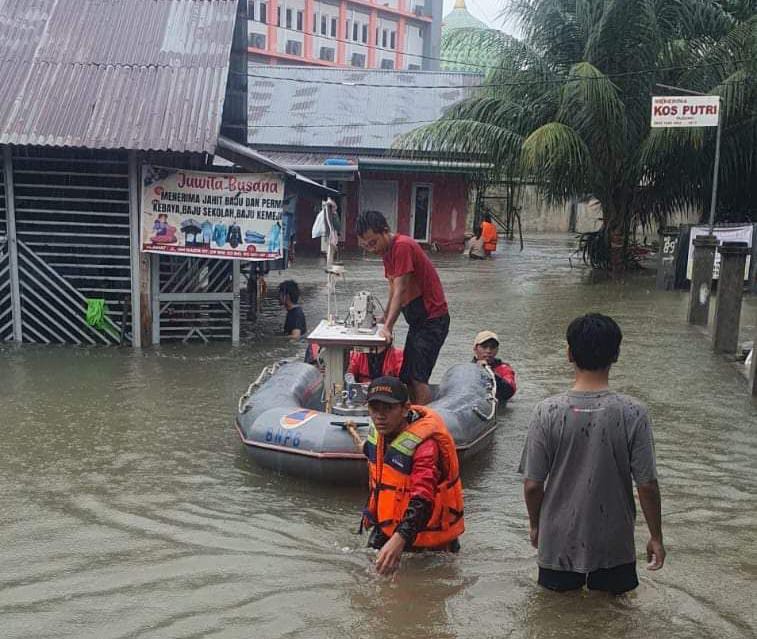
220	215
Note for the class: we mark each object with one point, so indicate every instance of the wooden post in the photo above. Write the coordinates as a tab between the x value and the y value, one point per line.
155	295
134	245
10	211
235	278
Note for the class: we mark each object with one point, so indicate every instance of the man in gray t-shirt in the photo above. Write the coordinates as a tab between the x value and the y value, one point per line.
584	448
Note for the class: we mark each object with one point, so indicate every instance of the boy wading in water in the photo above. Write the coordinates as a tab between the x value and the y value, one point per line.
584	448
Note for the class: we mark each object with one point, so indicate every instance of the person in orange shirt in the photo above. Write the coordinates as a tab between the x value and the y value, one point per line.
489	234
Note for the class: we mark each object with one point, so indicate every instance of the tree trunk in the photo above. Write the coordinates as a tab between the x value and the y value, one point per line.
615	224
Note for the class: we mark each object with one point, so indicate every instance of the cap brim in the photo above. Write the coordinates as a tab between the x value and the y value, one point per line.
387	399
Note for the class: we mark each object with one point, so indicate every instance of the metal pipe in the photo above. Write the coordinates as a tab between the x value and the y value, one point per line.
134	246
716	169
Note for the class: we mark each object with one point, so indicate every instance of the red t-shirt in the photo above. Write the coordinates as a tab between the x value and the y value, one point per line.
360	368
406	256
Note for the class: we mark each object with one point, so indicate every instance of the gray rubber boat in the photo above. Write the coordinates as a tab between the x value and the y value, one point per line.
283	426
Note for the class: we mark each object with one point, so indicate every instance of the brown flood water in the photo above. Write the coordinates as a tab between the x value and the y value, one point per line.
128	508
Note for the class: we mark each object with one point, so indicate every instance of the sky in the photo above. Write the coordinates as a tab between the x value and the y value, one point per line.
485	10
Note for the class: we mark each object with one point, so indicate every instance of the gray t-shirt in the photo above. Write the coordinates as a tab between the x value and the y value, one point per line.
588	446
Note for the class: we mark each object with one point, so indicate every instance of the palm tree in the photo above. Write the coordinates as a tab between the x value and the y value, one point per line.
568	104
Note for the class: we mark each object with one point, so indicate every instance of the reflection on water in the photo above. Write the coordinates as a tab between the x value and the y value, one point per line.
129	510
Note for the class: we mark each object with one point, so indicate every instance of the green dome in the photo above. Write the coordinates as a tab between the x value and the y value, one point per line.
459	18
455	55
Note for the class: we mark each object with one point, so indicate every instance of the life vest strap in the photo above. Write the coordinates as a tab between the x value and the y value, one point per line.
458	515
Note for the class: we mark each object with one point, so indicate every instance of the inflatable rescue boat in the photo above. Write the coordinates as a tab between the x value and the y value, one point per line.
284	424
294	418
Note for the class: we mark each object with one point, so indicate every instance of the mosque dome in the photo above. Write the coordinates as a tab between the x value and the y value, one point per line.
455	55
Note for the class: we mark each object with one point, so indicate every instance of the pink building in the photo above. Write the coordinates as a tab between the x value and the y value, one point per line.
369	34
338	126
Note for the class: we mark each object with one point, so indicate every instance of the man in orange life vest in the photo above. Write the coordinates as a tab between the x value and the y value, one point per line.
416	497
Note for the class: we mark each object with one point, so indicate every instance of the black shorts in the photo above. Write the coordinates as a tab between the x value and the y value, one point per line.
424	341
616	580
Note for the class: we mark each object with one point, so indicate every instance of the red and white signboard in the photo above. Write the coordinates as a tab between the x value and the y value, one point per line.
685	110
229	216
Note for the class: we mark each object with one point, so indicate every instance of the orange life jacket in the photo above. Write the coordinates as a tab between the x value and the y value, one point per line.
391	366
389	481
489	234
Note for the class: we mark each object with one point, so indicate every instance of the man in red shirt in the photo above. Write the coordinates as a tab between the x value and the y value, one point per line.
485	348
415	291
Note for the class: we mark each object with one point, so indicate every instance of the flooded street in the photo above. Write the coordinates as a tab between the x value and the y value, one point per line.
129	509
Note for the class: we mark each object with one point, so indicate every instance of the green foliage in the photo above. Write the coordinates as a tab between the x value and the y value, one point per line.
568	105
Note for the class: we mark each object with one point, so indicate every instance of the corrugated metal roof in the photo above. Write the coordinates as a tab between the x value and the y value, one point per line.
332	108
135	74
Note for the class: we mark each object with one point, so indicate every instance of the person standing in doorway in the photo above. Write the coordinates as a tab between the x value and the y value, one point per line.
415	290
295	325
588	444
489	234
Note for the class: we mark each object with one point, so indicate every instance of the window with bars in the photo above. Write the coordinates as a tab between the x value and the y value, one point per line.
293	47
358	60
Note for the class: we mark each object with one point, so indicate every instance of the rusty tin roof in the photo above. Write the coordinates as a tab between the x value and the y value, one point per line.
133	74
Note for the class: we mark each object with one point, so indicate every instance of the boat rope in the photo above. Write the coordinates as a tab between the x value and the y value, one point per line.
268	371
492	397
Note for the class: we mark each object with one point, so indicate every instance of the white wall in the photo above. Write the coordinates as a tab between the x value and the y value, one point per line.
540	216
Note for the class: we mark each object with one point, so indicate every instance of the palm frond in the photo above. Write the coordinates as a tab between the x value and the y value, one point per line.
465	139
558	159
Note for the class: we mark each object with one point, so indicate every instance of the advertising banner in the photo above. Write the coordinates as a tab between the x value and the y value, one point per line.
685	110
220	215
723	234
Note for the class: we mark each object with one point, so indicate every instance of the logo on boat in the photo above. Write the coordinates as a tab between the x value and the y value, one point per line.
298	418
